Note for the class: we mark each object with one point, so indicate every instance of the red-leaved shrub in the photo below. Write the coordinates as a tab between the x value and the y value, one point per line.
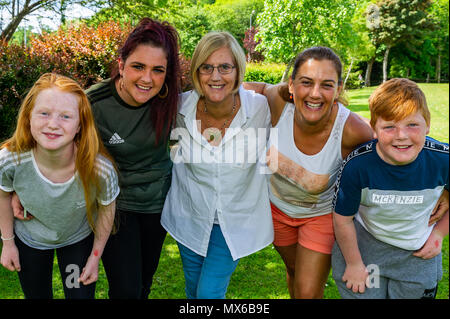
83	53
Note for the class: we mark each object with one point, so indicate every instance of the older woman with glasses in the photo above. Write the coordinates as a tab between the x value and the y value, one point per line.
218	207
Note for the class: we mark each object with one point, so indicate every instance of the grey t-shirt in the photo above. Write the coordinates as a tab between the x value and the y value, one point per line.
59	209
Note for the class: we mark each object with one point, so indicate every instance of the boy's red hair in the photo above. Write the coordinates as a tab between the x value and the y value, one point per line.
396	99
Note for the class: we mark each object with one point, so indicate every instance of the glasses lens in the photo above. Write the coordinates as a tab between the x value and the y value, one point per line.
206	68
222	68
225	68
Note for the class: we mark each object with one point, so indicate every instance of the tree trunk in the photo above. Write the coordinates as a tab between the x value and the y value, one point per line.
286	71
348	73
369	71
8	32
385	63
28	8
62	11
438	68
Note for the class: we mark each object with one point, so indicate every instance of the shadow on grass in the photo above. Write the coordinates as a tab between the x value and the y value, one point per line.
258	276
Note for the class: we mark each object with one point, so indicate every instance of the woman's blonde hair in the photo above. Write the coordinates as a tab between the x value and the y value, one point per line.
87	140
396	99
211	42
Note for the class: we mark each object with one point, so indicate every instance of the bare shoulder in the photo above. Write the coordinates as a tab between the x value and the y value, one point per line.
357	131
276	101
272	93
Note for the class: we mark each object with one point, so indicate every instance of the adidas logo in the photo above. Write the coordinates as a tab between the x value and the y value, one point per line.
116	139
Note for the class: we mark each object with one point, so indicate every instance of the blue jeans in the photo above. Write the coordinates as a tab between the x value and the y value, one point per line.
208	277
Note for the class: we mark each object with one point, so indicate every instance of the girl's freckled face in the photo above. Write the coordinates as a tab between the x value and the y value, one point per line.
54	120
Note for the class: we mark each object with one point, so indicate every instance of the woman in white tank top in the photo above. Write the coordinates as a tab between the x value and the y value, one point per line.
315	133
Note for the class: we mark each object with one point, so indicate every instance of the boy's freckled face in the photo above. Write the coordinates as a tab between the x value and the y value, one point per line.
400	142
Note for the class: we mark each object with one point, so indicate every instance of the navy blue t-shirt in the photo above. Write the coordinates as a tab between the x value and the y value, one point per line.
393	202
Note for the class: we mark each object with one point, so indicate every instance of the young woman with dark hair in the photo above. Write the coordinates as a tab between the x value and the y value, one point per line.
134	111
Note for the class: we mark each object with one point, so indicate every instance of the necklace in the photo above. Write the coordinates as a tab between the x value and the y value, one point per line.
214	134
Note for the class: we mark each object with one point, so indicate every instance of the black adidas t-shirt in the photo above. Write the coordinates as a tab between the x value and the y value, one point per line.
127	133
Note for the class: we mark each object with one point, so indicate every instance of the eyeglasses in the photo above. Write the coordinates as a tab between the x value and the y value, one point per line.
222	68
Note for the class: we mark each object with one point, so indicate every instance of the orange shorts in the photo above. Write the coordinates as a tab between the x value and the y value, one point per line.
315	233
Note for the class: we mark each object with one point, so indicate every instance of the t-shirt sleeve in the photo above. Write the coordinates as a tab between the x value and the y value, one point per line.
109	183
7	169
348	191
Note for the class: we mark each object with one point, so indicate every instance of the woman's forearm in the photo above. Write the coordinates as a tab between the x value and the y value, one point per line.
103	227
6	215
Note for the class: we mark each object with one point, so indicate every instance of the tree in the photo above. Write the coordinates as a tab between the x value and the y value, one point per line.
132	11
357	47
290	26
19	9
399	21
187	16
372	20
250	45
192	24
440	13
233	15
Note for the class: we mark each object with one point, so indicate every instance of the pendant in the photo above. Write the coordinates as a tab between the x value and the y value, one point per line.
213	135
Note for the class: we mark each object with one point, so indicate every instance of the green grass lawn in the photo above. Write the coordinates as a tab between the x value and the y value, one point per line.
261	275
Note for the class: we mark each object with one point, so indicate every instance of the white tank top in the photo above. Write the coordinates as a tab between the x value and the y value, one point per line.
302	185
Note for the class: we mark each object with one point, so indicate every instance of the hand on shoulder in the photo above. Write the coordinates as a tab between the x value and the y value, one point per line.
271	92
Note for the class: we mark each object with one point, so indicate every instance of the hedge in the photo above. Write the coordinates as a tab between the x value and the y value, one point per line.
83	53
264	72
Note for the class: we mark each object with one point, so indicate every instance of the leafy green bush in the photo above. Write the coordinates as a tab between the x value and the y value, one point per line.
353	81
19	69
264	72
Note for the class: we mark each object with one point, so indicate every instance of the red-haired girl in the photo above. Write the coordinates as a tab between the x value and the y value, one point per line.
56	164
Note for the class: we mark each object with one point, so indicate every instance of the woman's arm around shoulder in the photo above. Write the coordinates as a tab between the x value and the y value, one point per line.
271	92
10	255
103	227
357	131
